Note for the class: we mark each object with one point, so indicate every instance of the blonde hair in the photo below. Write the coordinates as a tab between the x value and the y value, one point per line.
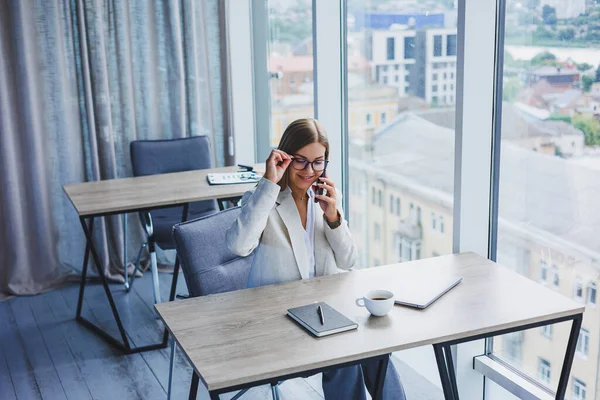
298	134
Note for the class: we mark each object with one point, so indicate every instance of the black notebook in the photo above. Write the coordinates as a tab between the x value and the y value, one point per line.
309	318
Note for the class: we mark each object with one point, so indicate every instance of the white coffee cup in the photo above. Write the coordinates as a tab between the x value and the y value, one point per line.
377	302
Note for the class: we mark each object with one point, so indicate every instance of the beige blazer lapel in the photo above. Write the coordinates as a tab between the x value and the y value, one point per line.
286	208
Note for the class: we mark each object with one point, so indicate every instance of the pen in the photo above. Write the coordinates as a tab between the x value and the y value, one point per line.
321	315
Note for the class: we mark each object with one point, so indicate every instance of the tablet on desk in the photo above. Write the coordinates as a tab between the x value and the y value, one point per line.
233	178
423	295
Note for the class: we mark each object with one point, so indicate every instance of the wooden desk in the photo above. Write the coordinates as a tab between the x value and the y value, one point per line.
118	196
244	338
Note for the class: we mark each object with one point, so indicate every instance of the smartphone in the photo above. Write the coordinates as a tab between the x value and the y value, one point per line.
320	190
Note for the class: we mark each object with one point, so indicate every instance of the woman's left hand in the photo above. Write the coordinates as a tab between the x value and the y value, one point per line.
327	201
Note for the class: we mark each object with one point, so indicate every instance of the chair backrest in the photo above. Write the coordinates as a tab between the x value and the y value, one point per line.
151	157
208	265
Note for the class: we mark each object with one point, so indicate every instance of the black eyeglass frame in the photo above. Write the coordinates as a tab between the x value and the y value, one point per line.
306	163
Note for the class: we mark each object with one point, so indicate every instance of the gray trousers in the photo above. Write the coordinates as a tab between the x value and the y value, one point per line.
349	383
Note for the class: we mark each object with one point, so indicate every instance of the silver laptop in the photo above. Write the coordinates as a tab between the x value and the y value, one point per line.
424	295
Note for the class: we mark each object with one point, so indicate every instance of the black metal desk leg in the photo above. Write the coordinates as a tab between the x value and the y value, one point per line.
90	244
451	372
184	218
380	378
570	353
86	259
443	369
194	386
124	344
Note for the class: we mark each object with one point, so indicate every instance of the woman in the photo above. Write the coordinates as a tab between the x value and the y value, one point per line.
281	222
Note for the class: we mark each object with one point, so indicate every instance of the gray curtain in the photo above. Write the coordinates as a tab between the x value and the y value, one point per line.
79	80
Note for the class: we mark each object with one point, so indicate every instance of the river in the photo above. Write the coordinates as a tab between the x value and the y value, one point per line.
577	54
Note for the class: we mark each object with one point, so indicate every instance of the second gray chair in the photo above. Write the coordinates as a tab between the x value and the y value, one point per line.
151	157
209	267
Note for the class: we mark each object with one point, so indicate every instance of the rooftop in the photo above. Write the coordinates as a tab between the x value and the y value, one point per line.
549	70
305	63
544	194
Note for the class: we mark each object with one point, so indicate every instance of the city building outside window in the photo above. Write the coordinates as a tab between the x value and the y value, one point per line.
391	203
396	67
445	75
380	198
368	119
396	79
391	43
385	80
555	276
398	213
441	224
376	232
579	390
373	200
433	221
591	294
583	344
418	215
434	76
546	331
544	370
434	88
383	117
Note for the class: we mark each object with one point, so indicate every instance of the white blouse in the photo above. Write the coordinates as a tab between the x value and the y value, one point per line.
309	233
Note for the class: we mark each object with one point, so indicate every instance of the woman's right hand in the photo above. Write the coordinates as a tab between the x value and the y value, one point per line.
273	169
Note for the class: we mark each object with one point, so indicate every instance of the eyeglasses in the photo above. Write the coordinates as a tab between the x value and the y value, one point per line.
300	164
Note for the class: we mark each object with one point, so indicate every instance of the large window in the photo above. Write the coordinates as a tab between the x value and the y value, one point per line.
548	177
290	64
401	139
407	149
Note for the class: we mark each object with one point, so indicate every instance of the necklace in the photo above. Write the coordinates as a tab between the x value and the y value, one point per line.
301	197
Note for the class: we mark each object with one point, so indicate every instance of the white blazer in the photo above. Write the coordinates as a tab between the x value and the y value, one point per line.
269	224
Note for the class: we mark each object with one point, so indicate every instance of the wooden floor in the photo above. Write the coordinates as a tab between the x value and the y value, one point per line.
45	354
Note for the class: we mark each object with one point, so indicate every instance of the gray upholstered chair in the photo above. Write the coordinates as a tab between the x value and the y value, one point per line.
150	157
209	267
